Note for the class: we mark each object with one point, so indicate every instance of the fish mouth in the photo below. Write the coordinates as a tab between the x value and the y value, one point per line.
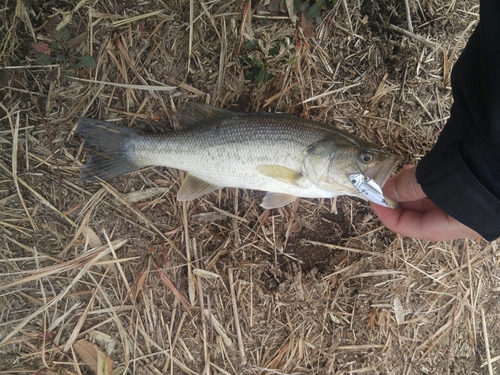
381	173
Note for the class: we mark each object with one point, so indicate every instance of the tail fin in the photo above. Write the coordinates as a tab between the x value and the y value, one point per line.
108	146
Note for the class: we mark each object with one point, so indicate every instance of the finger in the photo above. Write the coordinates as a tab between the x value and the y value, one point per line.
404	187
434	225
421	205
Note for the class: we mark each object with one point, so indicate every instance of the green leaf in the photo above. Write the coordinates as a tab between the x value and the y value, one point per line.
251	43
274	6
87	60
332	3
253	73
62	35
274	51
315	9
261	76
259	63
297	4
246	59
75	66
44	60
304	6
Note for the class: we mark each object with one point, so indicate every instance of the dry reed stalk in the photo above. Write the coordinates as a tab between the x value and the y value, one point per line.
320	288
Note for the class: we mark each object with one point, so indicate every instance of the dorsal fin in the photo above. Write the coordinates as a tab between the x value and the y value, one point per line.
193	114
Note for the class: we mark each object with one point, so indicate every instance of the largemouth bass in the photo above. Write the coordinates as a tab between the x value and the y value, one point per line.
286	156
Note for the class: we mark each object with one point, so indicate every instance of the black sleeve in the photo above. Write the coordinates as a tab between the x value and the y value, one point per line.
461	174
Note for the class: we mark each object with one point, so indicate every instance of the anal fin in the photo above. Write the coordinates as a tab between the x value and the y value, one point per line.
276	200
194	187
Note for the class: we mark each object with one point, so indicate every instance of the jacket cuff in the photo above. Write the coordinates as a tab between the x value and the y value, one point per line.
450	184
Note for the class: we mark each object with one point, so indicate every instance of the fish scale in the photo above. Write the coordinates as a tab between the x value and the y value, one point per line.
256	141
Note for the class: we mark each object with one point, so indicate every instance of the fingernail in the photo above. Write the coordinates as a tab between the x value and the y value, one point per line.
390	189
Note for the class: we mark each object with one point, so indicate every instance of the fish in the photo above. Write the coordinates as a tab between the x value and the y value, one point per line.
284	155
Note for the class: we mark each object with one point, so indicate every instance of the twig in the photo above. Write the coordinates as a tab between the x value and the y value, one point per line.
124	201
236	318
95	256
486	342
342	89
172	287
203	316
191	284
191	26
222	63
125	85
350	249
348	15
15	132
136	18
39	196
408	16
428	43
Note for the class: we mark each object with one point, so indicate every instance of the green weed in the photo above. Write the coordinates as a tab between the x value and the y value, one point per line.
59	52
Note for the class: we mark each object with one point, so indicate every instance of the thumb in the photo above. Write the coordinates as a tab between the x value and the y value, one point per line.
404	187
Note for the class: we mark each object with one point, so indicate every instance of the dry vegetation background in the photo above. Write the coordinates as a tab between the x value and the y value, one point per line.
121	277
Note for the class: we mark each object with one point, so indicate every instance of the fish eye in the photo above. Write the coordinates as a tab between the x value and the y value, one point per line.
366	157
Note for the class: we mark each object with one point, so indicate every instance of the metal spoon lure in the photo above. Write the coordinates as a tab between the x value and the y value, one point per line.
371	190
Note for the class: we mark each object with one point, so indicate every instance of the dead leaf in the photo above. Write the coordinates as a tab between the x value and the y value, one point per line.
246	23
174	290
93	357
291	11
77	40
94	240
143	275
83	73
446	68
20	154
40	47
373	319
307	25
262	10
398	310
67	16
146	194
103	340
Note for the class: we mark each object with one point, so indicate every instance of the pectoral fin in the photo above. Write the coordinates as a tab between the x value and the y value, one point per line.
194	187
276	200
280	173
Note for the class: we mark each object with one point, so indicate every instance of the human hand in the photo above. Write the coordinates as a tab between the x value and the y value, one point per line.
417	216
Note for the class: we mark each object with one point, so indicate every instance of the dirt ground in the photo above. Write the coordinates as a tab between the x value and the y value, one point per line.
120	277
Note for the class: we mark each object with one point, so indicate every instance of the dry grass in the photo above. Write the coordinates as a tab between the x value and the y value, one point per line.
217	286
